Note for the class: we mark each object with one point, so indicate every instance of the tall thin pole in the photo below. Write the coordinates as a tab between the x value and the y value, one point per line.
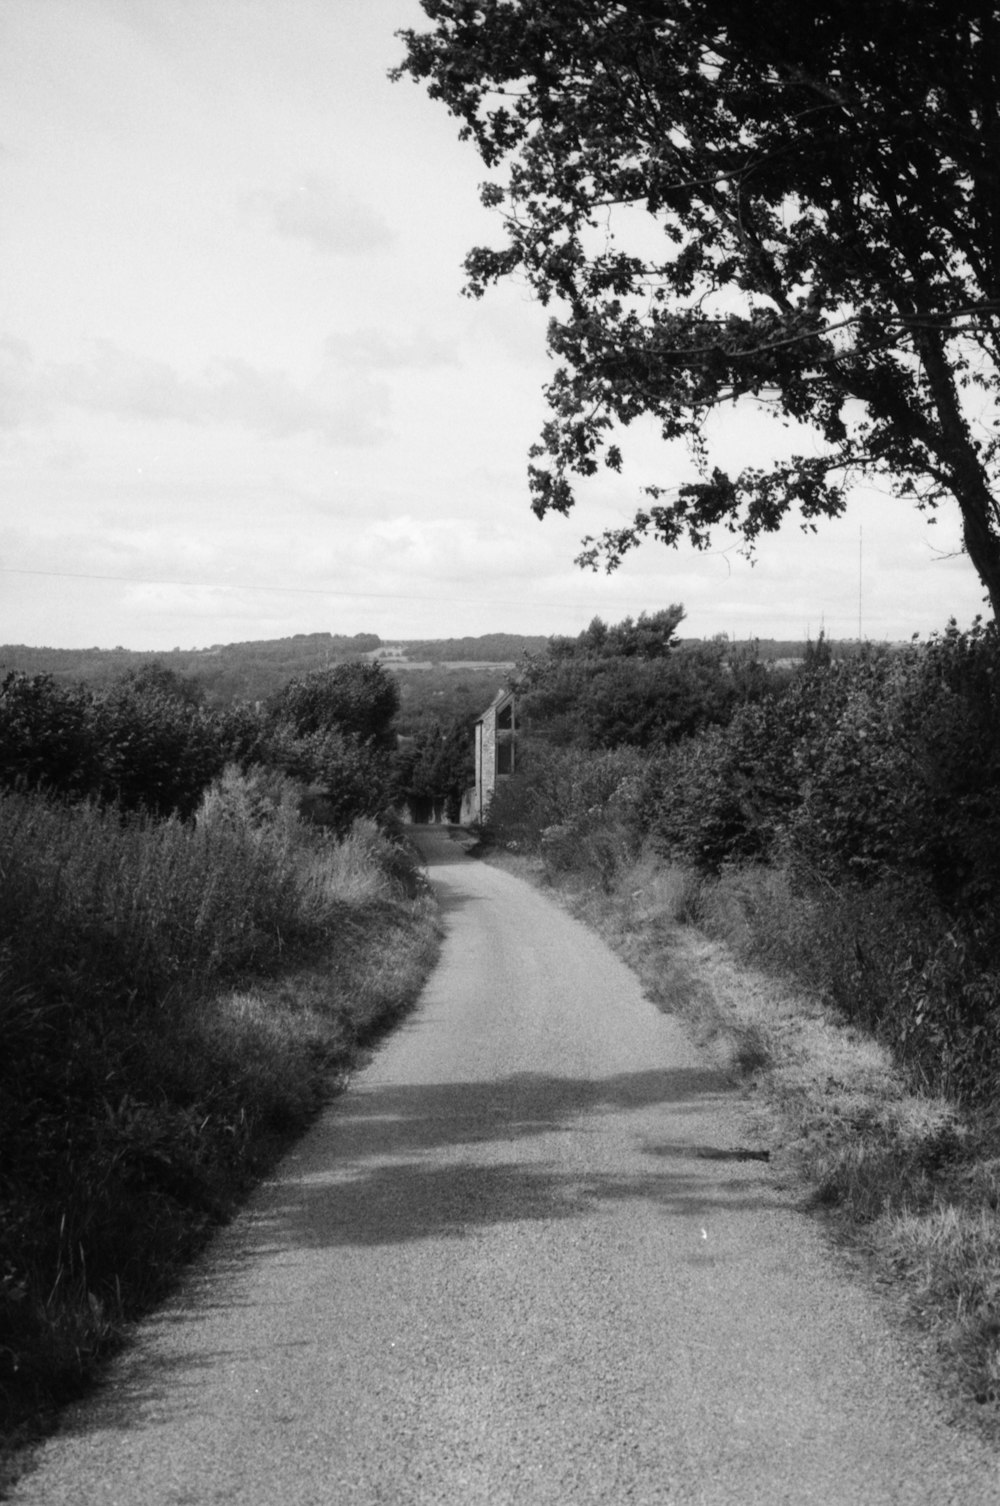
860	574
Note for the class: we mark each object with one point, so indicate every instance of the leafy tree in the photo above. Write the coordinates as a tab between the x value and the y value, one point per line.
143	744
46	735
884	764
629	684
157	678
651	637
332	729
156	751
357	699
489	648
824	183
342	777
818	655
438	765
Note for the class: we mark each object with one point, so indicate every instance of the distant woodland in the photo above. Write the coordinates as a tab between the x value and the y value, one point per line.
233	673
225	673
228	674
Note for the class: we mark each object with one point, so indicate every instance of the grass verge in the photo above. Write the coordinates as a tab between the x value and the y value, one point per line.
177	1003
904	1179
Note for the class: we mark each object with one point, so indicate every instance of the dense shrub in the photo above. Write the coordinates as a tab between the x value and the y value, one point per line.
156	1048
333	731
342	779
46	736
435	767
886	954
144	743
955	729
577	809
886	763
847	824
358	699
148	744
630	685
155	752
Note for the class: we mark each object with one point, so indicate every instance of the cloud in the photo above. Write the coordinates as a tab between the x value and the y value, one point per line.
372	350
232	392
20	400
473	553
326	217
514	324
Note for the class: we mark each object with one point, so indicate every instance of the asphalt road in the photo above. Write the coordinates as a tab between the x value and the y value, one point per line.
520	1260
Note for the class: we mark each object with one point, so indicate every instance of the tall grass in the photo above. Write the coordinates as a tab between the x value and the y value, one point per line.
90	898
886	955
175	1001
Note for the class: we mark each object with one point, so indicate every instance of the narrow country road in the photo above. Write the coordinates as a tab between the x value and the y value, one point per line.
519	1261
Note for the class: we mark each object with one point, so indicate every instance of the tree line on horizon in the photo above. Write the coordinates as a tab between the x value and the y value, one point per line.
150	738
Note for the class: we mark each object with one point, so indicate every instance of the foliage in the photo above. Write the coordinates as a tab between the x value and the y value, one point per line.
358	700
886	954
46	739
440	696
348	779
651	637
630	684
144	743
461	677
576	809
436	767
174	999
157	751
334	730
846	824
223	674
821	186
157	678
149	744
955	732
884	764
488	648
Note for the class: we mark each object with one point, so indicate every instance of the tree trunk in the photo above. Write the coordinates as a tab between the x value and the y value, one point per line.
981	542
967	480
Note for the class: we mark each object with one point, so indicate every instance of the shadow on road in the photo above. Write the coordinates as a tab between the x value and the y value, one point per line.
397	1177
395	1164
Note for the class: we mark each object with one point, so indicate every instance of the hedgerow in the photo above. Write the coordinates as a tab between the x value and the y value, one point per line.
147	743
845	823
176	999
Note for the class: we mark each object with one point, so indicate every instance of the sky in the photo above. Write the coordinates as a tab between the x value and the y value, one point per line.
242	397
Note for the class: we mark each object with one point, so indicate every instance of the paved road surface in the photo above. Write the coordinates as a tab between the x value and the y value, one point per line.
518	1262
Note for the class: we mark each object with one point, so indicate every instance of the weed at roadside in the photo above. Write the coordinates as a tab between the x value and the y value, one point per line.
176	1002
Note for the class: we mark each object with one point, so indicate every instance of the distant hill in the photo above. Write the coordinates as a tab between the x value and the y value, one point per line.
491	648
252	671
462	669
226	672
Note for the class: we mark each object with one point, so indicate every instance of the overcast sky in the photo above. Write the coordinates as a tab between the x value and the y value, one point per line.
242	397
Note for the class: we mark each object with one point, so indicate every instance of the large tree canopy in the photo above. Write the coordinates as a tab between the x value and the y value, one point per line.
825	180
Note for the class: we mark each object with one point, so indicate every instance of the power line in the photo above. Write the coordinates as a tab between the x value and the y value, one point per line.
131	580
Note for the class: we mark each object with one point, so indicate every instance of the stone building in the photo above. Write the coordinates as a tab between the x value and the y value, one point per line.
494	734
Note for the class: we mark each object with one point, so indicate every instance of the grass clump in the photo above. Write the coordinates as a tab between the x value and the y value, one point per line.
884	955
176	1001
949	1258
